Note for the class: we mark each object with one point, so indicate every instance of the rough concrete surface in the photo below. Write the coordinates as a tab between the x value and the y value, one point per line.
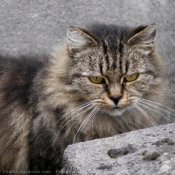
142	152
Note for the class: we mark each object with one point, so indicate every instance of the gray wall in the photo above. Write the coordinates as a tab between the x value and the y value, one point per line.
38	25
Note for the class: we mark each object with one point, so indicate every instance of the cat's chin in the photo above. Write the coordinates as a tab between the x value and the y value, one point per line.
116	111
113	111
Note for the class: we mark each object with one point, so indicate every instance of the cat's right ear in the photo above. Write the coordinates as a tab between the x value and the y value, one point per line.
144	38
78	40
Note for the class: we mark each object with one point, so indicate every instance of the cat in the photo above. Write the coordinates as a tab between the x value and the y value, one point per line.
103	81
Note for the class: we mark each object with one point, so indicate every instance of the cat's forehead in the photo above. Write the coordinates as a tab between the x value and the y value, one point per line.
109	49
112	56
112	60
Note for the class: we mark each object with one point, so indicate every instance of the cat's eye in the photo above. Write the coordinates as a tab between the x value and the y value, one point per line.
97	80
132	77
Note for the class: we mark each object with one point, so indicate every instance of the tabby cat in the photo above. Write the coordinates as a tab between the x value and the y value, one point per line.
103	81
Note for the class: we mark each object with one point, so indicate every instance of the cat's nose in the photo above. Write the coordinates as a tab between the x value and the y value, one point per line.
115	93
115	99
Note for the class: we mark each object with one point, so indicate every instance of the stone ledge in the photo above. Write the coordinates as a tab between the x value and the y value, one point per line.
142	152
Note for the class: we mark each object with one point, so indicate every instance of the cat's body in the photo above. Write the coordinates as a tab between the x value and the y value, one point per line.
90	88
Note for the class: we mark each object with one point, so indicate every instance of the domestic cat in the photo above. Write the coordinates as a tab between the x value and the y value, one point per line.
105	80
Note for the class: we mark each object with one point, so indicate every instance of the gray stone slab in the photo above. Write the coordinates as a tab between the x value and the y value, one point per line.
143	152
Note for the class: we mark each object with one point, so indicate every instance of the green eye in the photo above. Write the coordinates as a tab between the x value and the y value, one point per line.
132	77
96	80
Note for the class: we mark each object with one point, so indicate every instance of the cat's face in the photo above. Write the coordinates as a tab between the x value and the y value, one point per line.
111	75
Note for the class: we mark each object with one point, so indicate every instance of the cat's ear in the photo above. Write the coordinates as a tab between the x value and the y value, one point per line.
78	40
144	39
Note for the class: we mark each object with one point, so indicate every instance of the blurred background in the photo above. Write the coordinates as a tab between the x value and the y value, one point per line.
39	25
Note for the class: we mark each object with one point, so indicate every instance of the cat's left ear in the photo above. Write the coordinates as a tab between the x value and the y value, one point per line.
79	40
144	39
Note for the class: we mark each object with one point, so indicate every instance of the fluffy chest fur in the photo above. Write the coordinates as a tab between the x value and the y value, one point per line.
104	81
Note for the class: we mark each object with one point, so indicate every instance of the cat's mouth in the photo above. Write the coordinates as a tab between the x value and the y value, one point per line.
116	107
113	111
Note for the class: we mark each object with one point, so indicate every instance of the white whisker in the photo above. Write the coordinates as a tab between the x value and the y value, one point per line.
81	113
146	115
157	107
90	115
144	104
74	112
79	107
159	104
93	123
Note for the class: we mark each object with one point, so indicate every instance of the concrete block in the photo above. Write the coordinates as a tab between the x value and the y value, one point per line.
143	152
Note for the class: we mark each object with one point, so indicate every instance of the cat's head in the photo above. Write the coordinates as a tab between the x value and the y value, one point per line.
114	67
